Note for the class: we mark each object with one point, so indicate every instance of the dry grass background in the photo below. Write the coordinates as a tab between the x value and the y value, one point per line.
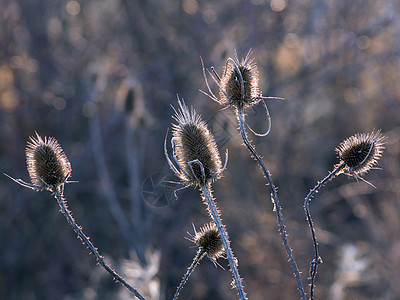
100	76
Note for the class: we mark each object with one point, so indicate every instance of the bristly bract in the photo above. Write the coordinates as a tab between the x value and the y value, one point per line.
194	149
361	152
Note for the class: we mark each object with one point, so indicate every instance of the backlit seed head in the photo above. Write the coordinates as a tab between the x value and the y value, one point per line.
48	166
361	152
209	240
239	82
195	147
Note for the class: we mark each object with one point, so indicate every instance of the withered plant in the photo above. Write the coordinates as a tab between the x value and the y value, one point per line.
196	161
209	244
49	169
357	155
238	89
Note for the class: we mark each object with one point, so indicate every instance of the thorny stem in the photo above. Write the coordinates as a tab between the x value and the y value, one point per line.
61	202
275	199
199	256
317	259
208	198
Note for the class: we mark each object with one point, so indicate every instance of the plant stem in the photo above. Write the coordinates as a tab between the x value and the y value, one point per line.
61	202
213	210
199	256
317	259
275	199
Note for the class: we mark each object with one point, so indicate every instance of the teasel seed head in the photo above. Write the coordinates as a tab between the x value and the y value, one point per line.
239	82
194	148
48	166
361	152
209	240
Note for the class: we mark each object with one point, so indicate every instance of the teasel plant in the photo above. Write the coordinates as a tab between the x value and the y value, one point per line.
357	155
238	89
49	169
209	244
196	161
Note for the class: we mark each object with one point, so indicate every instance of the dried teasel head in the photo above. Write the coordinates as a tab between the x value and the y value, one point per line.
361	152
209	241
47	164
194	147
239	82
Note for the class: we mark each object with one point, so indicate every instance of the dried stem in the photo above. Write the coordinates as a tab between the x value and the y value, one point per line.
199	256
317	258
275	199
213	210
61	202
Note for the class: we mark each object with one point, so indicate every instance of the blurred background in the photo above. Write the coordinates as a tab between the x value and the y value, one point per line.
100	76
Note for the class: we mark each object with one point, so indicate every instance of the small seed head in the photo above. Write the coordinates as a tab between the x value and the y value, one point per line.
239	83
210	241
195	147
48	166
361	152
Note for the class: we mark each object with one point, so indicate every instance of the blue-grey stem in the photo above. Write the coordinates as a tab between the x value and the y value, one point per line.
317	259
199	256
85	239
240	113
208	198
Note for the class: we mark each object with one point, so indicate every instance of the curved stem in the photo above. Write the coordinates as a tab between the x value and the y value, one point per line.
199	256
213	210
275	199
317	259
85	239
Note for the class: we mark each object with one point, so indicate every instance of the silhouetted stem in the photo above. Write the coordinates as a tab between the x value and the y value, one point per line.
275	199
85	239
199	256
209	200
317	259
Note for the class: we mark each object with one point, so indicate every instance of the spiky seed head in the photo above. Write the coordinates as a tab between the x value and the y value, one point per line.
361	152
209	240
195	147
48	166
231	83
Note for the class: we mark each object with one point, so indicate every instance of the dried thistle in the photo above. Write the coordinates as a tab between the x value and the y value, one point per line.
49	169
209	240
358	154
194	148
239	83
48	166
238	88
198	163
361	152
210	243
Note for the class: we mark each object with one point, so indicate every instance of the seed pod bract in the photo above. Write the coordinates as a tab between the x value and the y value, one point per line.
195	149
47	165
361	152
209	240
239	82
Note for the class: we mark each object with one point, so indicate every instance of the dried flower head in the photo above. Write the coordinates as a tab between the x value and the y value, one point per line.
239	83
47	164
209	240
361	152
195	150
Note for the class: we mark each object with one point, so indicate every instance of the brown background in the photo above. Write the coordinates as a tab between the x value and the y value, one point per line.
100	77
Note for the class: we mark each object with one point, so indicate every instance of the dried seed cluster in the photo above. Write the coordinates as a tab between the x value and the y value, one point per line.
361	152
195	147
239	83
210	241
48	166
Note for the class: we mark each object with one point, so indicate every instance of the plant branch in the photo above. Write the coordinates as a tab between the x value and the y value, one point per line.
317	258
61	202
275	199
199	256
213	210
